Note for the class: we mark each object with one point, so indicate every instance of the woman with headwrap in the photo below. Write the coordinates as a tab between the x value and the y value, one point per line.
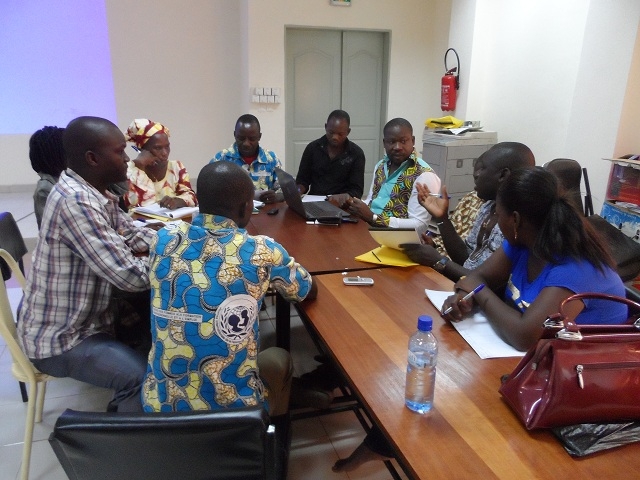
153	178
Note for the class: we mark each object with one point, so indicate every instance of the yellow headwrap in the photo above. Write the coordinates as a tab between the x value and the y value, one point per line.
142	129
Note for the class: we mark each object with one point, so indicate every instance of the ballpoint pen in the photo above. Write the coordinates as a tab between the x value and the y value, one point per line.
466	297
438	195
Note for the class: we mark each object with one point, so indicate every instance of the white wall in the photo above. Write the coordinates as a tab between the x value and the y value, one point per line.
181	64
419	31
629	132
190	65
552	75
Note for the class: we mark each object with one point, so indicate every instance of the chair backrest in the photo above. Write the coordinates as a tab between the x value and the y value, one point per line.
223	444
21	364
11	240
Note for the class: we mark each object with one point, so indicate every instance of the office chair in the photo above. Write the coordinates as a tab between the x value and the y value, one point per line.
568	172
625	252
225	444
11	240
22	368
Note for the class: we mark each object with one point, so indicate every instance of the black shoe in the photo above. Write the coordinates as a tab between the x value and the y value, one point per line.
305	395
324	377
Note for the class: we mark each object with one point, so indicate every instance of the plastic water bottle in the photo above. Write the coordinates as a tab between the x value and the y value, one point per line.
421	367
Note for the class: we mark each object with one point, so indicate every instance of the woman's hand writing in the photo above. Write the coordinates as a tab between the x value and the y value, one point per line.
459	307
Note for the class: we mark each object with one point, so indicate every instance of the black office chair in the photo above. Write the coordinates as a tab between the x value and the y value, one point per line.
625	251
11	240
224	444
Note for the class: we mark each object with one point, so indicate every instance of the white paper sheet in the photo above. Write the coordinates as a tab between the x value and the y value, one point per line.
314	198
156	209
477	331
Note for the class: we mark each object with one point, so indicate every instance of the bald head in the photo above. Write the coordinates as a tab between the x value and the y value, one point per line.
497	163
85	134
512	155
225	189
95	150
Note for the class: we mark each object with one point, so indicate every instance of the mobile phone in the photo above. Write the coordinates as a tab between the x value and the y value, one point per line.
273	211
359	281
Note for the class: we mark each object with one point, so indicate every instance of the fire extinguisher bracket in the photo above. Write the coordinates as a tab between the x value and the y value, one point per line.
454	69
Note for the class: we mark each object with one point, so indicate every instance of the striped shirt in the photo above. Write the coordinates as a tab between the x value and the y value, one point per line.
85	247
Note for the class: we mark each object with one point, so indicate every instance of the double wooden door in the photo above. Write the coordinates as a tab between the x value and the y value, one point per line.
335	69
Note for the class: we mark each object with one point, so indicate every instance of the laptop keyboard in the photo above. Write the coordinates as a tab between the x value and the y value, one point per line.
321	209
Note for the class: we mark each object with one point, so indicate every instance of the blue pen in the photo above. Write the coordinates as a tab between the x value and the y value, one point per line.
135	148
466	297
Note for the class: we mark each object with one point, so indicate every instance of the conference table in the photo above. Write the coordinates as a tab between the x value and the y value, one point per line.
471	432
321	249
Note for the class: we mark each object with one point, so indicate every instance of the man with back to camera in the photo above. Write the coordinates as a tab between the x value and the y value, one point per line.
485	237
259	163
86	248
393	196
208	281
332	164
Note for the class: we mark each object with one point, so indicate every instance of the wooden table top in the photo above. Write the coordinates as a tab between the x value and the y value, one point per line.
471	432
318	248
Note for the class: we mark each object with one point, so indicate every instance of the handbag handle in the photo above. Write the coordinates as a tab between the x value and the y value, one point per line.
571	326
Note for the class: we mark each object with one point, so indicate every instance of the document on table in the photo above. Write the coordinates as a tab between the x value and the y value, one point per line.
313	198
256	206
477	331
156	211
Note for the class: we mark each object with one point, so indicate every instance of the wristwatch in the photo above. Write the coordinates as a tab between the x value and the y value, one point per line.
440	264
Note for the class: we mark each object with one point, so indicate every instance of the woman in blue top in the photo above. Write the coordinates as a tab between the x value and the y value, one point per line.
549	253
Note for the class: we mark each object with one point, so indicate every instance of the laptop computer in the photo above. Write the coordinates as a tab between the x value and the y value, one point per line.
322	211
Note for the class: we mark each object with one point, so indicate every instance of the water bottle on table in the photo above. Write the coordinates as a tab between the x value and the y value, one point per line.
421	367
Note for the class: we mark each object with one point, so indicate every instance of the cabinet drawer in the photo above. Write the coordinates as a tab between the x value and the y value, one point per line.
469	151
461	166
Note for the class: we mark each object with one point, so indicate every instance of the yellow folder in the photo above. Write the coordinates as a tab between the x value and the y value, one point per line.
386	256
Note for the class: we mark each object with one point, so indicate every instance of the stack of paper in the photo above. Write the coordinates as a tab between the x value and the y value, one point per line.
163	213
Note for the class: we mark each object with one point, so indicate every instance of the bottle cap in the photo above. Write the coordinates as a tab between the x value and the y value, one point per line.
425	323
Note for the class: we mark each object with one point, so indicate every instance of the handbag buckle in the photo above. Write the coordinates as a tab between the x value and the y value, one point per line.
565	334
554	321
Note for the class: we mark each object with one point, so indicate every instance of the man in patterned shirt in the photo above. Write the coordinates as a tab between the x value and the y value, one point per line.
393	196
208	281
86	247
258	162
485	237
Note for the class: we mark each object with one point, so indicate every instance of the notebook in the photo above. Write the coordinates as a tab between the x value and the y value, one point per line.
310	210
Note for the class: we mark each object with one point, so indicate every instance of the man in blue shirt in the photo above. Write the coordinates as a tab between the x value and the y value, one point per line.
259	163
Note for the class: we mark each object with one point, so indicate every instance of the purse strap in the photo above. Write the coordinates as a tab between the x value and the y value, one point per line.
560	319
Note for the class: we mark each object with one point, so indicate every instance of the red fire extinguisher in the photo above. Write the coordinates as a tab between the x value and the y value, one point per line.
450	83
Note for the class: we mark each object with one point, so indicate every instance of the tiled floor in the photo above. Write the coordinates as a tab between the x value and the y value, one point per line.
316	443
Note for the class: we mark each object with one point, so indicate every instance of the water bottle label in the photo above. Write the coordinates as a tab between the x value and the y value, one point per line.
416	361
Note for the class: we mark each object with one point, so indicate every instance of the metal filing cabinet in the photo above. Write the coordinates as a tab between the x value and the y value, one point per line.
452	157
